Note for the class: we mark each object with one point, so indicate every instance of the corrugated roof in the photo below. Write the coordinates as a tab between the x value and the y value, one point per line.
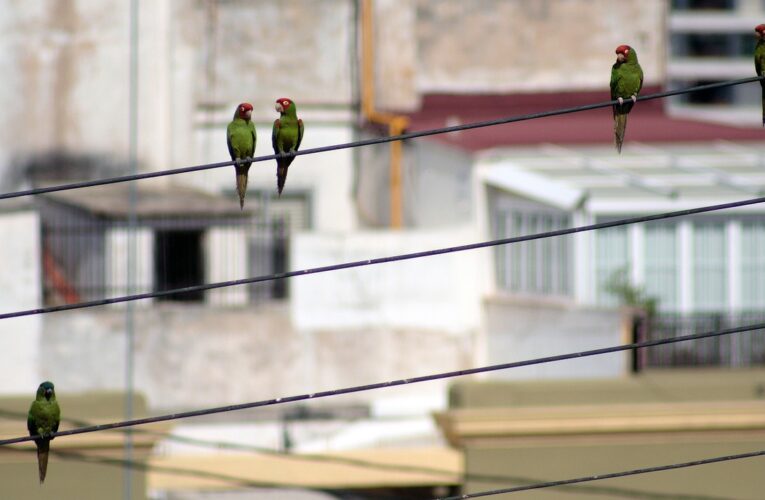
153	201
648	122
647	174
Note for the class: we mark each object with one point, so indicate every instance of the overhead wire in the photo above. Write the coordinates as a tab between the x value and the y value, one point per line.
381	140
374	141
324	458
390	383
382	260
601	477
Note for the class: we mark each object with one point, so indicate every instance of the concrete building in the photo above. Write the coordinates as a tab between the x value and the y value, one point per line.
356	69
518	433
712	41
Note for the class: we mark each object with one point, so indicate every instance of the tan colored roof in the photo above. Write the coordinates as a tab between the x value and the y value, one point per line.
591	420
274	469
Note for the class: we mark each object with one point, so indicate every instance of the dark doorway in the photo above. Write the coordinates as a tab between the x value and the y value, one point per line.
178	263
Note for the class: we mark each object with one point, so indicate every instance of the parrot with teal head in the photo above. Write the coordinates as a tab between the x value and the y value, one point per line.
43	419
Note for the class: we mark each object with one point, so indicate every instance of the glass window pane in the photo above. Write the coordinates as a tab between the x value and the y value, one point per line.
611	257
753	265
710	281
661	269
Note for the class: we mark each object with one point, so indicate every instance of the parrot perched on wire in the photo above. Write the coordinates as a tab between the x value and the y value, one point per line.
241	139
286	137
759	62
626	82
43	419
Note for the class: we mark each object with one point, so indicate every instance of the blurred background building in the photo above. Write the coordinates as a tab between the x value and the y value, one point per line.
359	69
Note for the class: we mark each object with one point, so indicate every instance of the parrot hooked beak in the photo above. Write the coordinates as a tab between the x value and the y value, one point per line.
279	107
621	53
48	393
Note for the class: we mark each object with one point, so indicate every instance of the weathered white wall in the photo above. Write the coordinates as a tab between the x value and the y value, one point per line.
297	48
524	329
517	45
327	176
438	293
20	288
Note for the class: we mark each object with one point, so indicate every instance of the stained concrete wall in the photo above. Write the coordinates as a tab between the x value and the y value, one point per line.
20	289
436	186
66	78
66	84
191	356
510	45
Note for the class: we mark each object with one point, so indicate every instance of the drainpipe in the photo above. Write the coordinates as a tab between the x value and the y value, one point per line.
396	124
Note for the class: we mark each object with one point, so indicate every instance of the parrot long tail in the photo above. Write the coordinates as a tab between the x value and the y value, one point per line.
281	174
43	446
620	126
241	183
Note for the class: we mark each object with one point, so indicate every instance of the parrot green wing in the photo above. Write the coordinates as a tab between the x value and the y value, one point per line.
759	57
614	81
300	134
275	136
759	66
31	426
56	414
254	135
228	141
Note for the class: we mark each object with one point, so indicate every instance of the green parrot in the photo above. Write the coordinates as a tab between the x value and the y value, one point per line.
43	419
759	62
626	82
241	139
286	136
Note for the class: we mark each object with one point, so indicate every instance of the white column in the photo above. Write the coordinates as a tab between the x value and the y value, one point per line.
584	279
685	261
116	262
20	288
636	241
733	259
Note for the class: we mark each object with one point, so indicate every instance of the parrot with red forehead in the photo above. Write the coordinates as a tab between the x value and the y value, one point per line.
626	82
286	137
759	61
241	139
